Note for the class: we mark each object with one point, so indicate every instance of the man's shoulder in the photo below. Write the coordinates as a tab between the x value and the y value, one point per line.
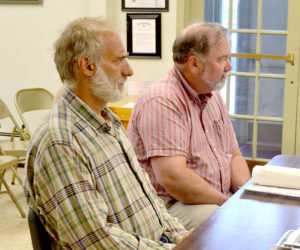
56	128
167	87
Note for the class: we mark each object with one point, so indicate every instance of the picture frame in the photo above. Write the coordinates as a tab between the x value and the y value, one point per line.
21	1
145	5
144	35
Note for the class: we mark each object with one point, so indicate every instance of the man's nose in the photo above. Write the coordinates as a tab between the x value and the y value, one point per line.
127	71
228	66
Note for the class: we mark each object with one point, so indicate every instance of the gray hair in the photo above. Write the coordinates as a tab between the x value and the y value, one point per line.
197	38
81	37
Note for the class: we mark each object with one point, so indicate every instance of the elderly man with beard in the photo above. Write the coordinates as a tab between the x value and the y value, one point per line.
181	131
83	179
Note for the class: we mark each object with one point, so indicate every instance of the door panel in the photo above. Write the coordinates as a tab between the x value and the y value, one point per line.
260	93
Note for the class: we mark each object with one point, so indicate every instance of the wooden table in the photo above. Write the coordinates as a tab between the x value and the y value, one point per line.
120	109
249	220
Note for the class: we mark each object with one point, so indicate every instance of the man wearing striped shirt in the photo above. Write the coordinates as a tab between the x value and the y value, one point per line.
181	131
83	178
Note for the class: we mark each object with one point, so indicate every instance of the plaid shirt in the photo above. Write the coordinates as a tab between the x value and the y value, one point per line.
85	183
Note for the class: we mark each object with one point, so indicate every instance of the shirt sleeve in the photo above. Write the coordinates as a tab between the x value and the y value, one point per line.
163	127
174	229
74	212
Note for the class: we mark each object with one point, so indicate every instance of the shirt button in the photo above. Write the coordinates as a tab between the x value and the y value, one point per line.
107	128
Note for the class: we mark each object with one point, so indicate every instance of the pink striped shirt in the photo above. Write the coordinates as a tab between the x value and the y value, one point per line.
166	121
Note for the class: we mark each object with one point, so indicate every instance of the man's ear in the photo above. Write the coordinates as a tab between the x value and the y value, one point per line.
84	65
195	64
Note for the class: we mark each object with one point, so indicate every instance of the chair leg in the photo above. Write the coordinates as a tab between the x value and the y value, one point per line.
15	174
12	196
2	174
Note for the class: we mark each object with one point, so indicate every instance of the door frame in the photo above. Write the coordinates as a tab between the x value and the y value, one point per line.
190	10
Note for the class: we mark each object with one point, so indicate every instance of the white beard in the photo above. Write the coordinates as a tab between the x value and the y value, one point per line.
104	89
219	85
215	86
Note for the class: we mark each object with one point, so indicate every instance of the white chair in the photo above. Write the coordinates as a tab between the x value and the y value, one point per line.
34	99
6	114
13	147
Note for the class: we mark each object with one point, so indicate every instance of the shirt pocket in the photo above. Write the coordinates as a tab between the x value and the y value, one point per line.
220	135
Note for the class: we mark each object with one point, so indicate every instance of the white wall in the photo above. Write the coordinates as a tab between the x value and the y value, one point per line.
149	69
28	32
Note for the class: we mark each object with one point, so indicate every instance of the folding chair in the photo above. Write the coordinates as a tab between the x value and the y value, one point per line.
8	162
13	147
32	100
6	114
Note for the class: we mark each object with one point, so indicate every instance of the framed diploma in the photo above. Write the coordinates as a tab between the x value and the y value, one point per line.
144	35
145	5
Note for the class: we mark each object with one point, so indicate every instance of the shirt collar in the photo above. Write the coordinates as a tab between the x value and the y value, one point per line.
191	93
84	112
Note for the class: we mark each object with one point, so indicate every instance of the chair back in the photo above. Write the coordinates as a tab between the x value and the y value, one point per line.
32	100
40	238
6	114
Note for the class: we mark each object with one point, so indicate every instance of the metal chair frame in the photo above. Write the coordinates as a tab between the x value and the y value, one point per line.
8	162
31	100
13	147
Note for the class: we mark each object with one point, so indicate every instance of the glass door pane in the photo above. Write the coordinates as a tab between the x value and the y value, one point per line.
271	107
255	89
242	99
271	9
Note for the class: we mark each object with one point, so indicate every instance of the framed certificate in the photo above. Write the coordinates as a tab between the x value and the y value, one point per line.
145	5
144	35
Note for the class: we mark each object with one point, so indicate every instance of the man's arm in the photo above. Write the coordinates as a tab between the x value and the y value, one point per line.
239	171
183	183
